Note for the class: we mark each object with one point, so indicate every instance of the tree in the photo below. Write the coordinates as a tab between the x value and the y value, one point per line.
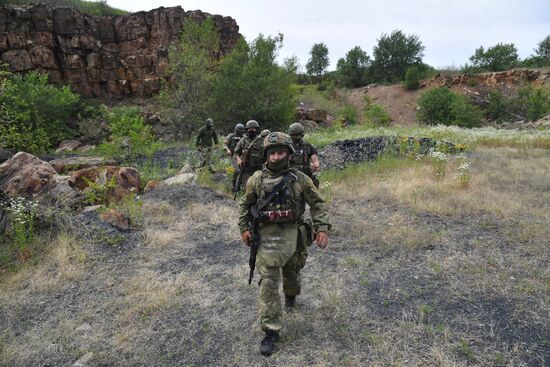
251	85
500	57
394	54
318	61
351	71
542	55
192	63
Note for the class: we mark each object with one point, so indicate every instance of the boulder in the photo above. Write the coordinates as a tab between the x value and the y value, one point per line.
81	179
62	165
116	218
68	146
5	155
119	182
181	179
151	185
26	175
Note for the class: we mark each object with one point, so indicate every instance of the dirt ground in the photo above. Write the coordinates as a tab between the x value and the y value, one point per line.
399	285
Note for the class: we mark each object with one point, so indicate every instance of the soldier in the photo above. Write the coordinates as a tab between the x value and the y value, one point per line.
277	195
249	153
264	133
305	156
229	146
206	136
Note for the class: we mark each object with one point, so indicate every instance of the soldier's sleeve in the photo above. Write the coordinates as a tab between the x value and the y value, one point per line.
215	137
199	137
318	208
248	199
239	148
312	150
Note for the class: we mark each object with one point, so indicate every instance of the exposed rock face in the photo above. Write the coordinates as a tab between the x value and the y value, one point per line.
118	56
508	78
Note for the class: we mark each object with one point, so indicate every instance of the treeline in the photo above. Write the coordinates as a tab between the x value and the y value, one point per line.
397	57
89	7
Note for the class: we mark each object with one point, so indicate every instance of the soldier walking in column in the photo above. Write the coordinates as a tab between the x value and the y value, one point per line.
206	138
229	146
305	157
249	153
274	202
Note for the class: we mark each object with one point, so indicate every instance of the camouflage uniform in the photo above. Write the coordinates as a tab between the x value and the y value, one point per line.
301	158
250	151
284	239
230	144
206	136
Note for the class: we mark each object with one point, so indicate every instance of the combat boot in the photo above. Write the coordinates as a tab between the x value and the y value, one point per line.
290	301
267	346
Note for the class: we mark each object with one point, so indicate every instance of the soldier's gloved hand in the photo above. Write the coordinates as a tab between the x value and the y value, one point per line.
321	239
245	237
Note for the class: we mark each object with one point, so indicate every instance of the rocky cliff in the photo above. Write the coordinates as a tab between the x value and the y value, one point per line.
118	56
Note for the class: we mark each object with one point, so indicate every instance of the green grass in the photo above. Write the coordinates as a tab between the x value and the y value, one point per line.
486	136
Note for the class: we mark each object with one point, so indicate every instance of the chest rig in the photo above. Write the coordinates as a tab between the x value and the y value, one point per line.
300	157
276	199
253	153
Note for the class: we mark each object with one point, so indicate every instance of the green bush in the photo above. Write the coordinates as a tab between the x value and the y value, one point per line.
435	106
441	106
538	104
496	107
465	113
375	114
413	76
348	112
34	114
131	137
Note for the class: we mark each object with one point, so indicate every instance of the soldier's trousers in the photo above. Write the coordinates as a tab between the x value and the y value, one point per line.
269	302
206	154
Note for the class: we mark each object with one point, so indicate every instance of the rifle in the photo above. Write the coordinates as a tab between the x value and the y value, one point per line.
254	241
255	213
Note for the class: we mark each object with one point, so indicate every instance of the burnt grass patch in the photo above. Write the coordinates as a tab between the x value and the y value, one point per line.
393	286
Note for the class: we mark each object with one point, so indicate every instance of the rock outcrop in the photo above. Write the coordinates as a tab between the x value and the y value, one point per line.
117	56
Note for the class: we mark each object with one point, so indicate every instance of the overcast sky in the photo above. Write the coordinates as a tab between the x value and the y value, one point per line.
450	30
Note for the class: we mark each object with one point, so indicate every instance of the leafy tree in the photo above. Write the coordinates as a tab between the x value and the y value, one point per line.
497	58
318	61
543	51
352	71
192	63
394	54
251	85
33	113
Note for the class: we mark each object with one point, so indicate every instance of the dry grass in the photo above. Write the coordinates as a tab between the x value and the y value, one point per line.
457	277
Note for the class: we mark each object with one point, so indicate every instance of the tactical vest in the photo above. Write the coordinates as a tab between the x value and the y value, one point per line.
233	140
283	207
252	154
300	158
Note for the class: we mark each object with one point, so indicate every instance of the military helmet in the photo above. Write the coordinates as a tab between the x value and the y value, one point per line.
264	133
239	128
251	124
295	129
209	122
277	140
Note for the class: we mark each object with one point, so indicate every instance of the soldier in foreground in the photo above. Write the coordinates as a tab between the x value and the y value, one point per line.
249	153
305	157
274	202
229	146
206	136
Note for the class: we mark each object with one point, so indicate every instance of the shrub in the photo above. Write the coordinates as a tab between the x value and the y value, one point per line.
375	114
496	107
538	104
435	106
348	112
131	137
34	114
441	106
413	76
465	113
